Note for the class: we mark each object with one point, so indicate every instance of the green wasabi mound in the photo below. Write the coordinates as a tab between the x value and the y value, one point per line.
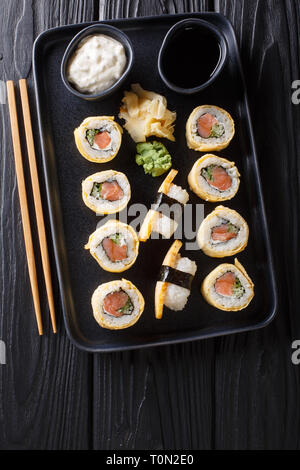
154	157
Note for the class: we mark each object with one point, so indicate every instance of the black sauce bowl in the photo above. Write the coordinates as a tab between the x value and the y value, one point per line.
107	30
208	29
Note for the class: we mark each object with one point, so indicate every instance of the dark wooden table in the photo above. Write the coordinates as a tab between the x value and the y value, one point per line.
235	392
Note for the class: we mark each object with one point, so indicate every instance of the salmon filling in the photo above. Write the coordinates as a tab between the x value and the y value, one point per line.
228	285
224	232
115	247
117	304
102	139
208	126
108	190
217	177
98	139
111	191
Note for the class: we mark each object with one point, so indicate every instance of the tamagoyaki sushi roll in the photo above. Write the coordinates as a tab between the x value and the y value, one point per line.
98	138
106	192
214	178
209	128
165	213
228	287
114	246
117	304
175	279
223	232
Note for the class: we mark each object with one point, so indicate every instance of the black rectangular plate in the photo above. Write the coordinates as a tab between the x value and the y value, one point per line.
72	222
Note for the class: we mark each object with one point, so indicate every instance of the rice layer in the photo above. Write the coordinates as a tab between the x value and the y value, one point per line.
231	170
176	296
232	302
103	125
221	116
108	321
222	215
102	206
128	237
203	189
163	224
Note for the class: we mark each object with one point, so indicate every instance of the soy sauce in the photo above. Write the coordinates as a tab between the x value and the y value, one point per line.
191	57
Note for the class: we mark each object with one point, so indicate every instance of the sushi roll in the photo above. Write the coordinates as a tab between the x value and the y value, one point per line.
114	246
165	213
175	280
223	233
228	287
106	192
117	304
98	138
214	179
209	128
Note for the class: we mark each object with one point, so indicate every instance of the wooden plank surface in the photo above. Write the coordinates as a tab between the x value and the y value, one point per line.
45	385
129	9
235	392
257	386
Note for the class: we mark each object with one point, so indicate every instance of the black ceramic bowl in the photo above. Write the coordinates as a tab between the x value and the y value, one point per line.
204	29
90	30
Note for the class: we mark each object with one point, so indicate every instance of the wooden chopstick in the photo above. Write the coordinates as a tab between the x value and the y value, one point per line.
23	201
37	199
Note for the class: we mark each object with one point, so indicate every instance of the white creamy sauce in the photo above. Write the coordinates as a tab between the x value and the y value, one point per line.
96	64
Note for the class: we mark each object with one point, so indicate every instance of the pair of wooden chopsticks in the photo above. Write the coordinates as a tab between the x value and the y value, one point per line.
37	200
